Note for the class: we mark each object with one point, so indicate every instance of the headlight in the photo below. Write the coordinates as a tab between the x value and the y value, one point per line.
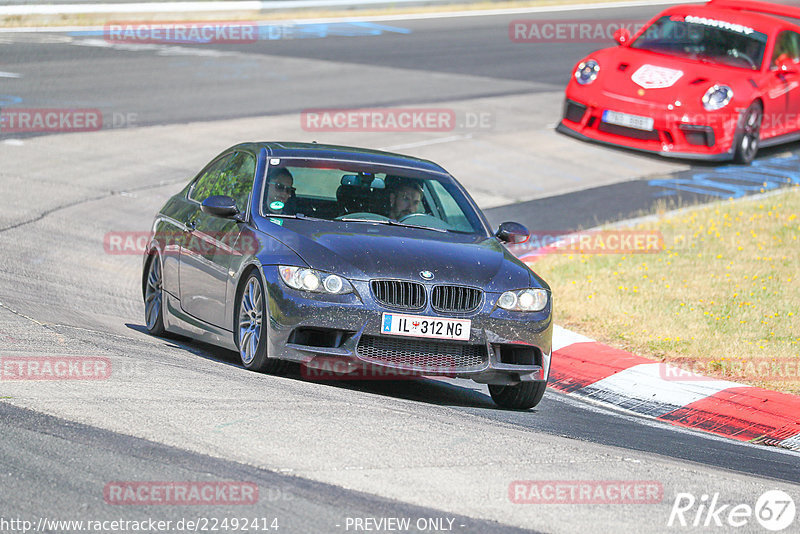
587	71
717	97
528	300
312	280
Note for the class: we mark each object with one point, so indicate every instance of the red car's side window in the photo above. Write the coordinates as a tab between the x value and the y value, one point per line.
788	46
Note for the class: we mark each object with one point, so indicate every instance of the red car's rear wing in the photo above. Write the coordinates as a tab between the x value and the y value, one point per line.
758	7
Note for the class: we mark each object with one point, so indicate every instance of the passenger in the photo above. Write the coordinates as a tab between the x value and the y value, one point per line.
404	200
279	192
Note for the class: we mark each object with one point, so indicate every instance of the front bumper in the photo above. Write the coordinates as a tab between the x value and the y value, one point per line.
699	136
504	347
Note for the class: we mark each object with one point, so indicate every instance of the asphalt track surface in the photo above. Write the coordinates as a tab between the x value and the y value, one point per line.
226	81
319	452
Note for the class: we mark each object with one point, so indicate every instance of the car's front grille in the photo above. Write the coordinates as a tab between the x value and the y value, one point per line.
459	299
399	294
421	354
633	133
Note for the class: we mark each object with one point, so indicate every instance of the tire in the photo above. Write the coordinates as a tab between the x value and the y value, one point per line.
521	396
748	135
251	339
154	297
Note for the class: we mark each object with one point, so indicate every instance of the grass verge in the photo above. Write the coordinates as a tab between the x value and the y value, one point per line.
721	298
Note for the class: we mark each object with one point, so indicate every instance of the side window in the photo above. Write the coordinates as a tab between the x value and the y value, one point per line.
204	185
236	179
231	175
788	43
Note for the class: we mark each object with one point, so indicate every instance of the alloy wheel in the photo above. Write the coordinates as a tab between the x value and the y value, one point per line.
250	321
152	295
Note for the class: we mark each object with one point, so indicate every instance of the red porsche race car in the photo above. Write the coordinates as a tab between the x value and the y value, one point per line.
713	82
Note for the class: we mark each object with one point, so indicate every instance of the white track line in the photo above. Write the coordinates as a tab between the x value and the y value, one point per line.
346	18
9	75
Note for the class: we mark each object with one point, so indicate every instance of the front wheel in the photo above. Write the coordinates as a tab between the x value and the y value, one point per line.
520	396
153	297
749	135
251	338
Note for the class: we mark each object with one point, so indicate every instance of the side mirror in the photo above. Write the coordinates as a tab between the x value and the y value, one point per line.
622	36
512	233
786	65
220	206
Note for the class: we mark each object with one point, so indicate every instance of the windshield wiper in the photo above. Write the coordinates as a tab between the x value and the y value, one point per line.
392	222
345	219
398	223
301	216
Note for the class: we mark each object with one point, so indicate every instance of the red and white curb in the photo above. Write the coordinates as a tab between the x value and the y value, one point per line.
585	368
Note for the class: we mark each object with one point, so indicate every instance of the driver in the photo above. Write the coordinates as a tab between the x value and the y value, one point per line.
279	192
404	200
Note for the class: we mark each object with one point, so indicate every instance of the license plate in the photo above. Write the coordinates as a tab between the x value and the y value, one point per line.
400	324
631	121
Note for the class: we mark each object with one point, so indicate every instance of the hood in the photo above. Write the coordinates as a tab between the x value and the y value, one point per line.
647	77
362	251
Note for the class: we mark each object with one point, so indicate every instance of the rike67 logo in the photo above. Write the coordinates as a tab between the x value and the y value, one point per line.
774	510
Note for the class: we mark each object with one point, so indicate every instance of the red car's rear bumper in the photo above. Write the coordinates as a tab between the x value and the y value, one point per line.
705	137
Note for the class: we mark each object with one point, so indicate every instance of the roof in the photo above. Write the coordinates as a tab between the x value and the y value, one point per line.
282	149
752	14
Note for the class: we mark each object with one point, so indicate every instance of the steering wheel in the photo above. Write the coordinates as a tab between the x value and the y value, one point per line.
739	55
426	220
411	215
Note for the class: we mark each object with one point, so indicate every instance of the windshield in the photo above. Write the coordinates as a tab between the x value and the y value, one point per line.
351	191
705	39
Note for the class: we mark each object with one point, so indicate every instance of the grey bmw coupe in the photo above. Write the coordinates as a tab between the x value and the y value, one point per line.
307	253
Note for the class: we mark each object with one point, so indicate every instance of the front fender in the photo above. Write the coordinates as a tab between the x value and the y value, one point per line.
255	250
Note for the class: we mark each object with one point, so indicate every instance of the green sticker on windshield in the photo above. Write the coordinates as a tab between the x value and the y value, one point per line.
276	206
